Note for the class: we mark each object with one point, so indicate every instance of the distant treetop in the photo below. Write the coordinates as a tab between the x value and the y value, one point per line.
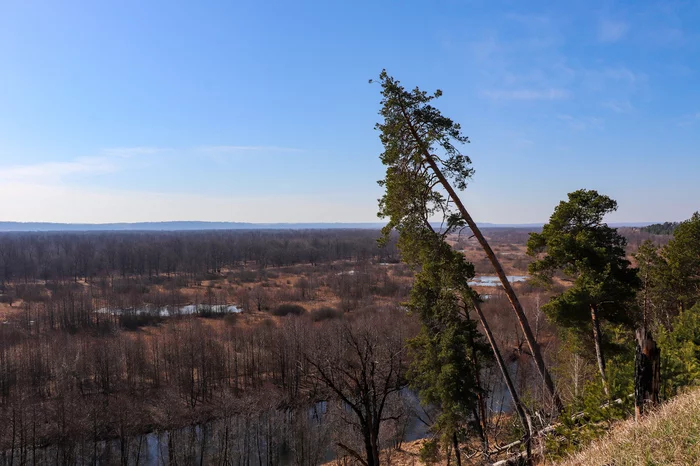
666	228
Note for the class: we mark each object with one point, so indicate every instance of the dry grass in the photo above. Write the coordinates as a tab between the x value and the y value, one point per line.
406	456
669	436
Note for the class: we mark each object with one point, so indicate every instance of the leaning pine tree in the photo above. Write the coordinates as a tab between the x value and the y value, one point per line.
441	297
447	352
418	139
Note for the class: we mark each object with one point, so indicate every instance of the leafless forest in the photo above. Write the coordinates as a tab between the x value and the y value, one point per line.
235	347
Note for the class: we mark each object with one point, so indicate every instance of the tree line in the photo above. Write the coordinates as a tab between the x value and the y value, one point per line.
666	228
57	256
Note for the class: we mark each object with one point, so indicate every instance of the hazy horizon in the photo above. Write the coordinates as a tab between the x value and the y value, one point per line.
185	225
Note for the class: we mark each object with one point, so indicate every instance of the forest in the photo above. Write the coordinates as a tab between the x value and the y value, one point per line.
432	341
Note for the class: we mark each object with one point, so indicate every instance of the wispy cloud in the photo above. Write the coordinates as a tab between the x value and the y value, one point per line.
612	31
526	94
486	49
238	149
618	81
581	123
688	120
618	106
529	20
56	170
622	73
667	36
111	160
108	161
133	151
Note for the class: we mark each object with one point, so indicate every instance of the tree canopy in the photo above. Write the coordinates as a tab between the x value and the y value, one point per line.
683	257
412	127
423	165
587	252
424	172
449	350
666	228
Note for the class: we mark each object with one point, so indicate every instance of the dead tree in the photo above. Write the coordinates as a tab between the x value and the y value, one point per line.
647	372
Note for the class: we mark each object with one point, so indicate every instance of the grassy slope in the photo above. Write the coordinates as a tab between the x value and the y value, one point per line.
669	436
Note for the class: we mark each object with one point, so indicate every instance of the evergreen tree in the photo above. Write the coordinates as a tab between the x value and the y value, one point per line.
656	299
448	350
591	254
683	257
424	172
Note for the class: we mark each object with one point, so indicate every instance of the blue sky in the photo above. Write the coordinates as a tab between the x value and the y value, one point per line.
261	111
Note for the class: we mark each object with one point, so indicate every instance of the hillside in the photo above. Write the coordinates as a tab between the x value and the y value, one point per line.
670	436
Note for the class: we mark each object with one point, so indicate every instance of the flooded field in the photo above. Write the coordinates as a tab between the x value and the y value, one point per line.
492	280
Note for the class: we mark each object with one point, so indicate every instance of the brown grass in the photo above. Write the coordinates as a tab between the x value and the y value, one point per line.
669	436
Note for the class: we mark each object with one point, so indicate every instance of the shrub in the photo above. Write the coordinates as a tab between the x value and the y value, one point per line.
680	352
325	313
429	452
210	276
134	321
208	313
247	276
231	319
31	293
288	309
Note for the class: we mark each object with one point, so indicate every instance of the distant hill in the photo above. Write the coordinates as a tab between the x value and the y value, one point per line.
196	225
176	226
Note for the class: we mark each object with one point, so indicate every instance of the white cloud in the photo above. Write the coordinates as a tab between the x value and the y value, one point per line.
526	94
612	31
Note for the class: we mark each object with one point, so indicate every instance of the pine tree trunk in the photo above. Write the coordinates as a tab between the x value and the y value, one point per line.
512	297
480	415
597	338
519	407
458	455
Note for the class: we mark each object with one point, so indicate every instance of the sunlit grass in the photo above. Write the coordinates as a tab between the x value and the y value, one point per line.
668	436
